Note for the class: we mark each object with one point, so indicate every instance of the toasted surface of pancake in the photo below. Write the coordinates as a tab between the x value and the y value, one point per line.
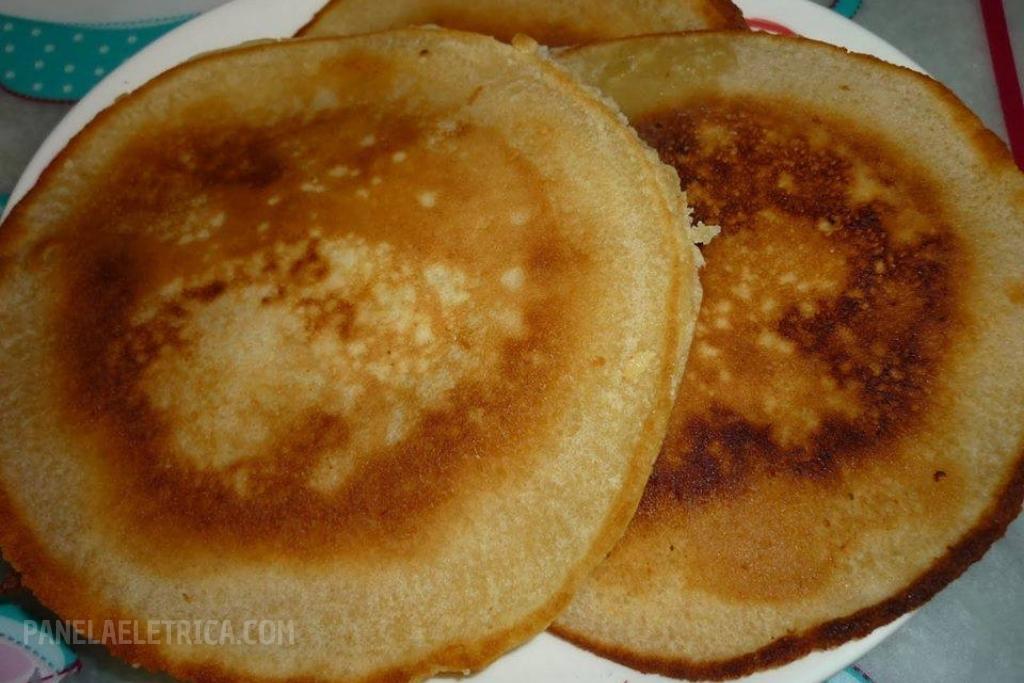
371	337
555	23
847	437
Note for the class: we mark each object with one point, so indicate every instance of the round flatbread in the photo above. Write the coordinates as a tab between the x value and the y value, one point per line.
848	433
552	22
370	339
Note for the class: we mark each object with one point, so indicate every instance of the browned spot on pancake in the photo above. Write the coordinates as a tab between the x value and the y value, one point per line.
1015	292
829	303
233	157
259	346
207	292
309	267
331	312
724	448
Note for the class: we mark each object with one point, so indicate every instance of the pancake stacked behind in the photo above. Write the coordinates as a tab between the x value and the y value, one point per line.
375	336
849	431
551	22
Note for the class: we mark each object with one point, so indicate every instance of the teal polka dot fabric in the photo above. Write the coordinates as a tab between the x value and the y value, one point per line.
61	62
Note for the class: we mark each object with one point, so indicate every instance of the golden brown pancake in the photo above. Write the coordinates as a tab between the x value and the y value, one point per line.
551	22
848	433
373	338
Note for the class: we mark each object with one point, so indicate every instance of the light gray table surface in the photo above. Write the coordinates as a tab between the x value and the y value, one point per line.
974	630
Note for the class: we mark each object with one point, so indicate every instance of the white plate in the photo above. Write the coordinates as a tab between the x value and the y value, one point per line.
545	658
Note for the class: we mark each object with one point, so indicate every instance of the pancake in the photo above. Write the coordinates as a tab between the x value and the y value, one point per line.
371	339
848	433
558	23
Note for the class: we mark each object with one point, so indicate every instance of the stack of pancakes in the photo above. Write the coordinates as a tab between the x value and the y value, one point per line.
383	332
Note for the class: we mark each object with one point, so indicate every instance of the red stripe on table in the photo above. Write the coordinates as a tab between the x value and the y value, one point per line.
1005	69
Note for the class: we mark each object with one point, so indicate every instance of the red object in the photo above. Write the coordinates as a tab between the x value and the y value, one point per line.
1005	69
768	26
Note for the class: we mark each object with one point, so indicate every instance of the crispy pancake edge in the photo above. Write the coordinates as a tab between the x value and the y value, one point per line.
722	13
833	633
728	14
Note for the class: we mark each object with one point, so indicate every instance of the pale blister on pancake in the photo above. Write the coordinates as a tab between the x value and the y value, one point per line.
848	433
551	22
372	336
